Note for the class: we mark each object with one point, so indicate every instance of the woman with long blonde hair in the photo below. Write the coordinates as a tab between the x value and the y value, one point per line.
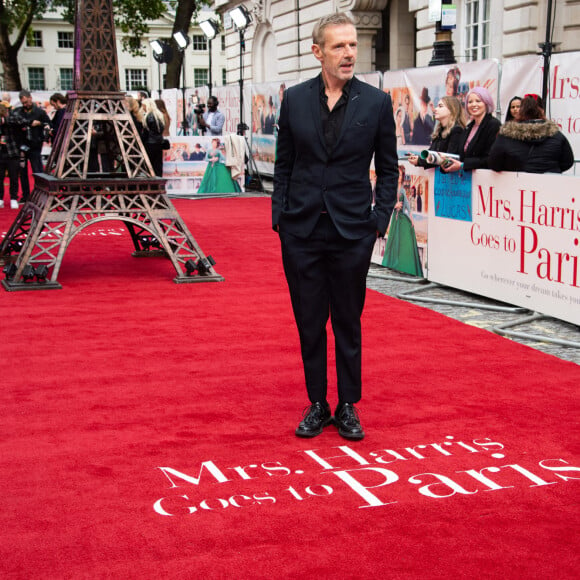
166	118
450	122
153	125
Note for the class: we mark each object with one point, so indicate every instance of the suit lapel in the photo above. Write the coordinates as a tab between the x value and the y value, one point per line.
315	108
354	99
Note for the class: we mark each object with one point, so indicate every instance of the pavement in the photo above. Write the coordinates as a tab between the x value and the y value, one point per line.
552	336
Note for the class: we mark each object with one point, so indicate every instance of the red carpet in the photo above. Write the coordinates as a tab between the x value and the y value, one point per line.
126	397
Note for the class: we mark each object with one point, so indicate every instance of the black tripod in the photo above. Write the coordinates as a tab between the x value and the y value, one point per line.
253	177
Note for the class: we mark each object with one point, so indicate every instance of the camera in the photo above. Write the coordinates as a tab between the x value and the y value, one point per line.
199	109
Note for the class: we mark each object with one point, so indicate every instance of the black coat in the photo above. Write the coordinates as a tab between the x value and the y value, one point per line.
531	146
309	178
152	130
475	156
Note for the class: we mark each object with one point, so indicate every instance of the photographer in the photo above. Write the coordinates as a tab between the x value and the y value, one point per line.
212	120
32	126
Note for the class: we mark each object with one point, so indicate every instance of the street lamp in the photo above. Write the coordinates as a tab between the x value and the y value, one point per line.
445	12
241	18
182	41
162	53
211	29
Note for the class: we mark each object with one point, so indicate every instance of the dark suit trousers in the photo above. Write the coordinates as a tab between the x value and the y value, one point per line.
326	275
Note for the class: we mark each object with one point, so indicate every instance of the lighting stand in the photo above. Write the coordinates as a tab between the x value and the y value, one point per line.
211	29
184	123
254	182
182	41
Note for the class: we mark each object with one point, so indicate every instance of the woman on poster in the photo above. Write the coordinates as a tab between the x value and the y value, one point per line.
217	177
401	252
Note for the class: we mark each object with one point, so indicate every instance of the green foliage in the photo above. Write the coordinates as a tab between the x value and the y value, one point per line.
14	13
131	20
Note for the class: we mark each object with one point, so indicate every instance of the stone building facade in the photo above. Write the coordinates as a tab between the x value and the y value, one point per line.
393	34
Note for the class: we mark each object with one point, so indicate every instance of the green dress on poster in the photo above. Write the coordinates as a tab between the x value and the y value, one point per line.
217	177
401	252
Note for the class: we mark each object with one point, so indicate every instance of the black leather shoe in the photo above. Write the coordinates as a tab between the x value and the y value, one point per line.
316	417
347	421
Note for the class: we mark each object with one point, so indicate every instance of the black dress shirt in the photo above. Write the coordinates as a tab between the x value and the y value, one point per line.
332	120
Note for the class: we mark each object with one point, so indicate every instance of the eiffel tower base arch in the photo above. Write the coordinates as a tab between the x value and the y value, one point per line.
58	209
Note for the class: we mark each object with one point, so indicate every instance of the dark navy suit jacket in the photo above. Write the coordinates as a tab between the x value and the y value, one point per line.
308	178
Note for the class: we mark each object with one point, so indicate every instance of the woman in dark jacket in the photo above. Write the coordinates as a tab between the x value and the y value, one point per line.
153	125
448	131
480	133
531	143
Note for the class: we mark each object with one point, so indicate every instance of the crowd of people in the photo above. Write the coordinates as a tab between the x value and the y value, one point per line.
26	128
469	136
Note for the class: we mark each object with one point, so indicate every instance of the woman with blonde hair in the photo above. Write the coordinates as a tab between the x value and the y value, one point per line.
153	125
136	113
166	118
447	134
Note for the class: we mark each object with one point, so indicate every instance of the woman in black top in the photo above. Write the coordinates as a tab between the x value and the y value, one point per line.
153	125
480	133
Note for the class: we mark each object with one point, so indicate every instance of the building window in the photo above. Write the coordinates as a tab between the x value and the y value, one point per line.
34	39
136	79
36	79
224	76
199	42
200	77
66	79
477	27
223	42
66	40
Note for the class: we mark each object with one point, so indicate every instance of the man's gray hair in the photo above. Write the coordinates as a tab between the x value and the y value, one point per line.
334	19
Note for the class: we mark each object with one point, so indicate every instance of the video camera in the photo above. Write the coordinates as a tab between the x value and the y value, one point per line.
199	108
438	158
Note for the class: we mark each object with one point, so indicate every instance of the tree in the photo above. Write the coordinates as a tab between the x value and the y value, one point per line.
185	11
131	18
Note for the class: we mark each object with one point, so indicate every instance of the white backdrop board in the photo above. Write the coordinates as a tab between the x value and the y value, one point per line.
521	244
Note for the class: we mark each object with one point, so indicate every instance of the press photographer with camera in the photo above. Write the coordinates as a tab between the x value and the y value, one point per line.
33	127
212	120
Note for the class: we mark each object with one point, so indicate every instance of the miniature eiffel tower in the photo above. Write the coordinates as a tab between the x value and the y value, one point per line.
79	189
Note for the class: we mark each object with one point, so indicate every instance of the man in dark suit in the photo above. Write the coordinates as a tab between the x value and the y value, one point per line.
329	129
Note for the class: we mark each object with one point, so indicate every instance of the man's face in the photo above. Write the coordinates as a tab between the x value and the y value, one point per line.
212	105
26	102
338	53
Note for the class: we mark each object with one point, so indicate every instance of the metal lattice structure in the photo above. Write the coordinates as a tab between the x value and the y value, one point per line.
73	195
